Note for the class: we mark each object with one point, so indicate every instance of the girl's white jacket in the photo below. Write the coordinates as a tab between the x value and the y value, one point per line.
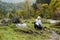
38	22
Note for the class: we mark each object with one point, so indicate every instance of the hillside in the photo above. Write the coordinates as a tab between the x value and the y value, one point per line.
10	6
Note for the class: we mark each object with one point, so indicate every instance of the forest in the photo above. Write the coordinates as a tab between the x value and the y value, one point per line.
43	8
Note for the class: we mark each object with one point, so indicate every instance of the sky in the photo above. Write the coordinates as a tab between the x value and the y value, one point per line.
16	1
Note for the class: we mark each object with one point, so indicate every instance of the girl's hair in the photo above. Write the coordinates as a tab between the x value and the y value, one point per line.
38	17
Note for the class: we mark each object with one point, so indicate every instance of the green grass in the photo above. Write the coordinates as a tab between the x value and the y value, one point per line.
7	33
10	32
56	29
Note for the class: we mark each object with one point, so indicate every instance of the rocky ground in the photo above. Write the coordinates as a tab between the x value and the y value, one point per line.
54	36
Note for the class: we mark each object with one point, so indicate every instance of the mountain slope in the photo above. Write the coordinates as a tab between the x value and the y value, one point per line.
10	6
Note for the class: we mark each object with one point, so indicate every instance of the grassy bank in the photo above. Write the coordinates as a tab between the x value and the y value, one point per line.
10	32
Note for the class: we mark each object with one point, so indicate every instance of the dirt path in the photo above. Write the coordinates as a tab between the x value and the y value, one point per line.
54	36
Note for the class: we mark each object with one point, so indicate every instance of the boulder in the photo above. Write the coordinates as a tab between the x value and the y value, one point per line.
52	21
3	22
21	25
15	20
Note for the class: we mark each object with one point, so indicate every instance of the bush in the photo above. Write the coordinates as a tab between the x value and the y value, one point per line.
12	26
56	24
45	21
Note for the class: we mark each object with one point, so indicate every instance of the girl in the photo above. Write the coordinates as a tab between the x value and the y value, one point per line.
37	24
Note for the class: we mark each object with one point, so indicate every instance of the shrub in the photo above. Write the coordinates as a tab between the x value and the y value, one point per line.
45	21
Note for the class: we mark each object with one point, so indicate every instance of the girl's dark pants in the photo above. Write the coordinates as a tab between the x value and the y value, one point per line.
37	26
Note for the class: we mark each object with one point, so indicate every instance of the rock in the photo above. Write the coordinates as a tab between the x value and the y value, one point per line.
52	21
15	20
57	24
3	22
21	25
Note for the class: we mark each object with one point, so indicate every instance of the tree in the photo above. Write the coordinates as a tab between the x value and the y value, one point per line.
54	4
43	1
7	15
1	15
17	13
